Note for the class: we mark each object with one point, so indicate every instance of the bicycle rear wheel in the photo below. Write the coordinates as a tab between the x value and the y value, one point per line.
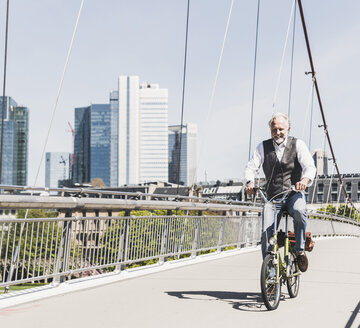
270	288
293	281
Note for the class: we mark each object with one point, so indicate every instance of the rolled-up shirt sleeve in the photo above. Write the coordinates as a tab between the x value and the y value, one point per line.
254	164
306	161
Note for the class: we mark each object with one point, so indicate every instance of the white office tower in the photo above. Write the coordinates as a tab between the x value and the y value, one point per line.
321	161
57	169
129	132
153	133
188	158
142	131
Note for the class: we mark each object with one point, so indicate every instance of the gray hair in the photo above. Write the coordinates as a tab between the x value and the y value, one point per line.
279	115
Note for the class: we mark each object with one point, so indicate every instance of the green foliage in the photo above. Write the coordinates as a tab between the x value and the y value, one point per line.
35	243
342	210
36	213
145	236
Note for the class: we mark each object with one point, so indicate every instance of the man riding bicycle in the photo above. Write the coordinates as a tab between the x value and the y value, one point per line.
286	161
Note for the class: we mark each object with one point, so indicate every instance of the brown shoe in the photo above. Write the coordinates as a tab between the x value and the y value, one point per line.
302	261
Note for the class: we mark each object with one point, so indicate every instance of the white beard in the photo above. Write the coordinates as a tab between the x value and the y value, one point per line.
279	141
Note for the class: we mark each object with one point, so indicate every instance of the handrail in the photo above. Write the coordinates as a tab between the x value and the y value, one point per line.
56	249
138	195
80	204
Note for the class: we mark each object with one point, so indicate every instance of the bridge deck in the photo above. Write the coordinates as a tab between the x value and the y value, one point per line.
219	293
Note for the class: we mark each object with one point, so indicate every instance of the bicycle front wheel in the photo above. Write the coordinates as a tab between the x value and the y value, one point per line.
270	288
293	280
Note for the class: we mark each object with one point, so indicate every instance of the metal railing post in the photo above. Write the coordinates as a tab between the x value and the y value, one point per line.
197	235
62	264
241	234
123	242
182	237
165	241
222	233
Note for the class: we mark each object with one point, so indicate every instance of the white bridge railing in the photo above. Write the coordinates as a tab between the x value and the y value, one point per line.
100	235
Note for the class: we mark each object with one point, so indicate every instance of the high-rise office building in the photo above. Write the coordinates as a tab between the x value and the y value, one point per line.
188	158
57	169
140	146
15	143
153	133
92	143
125	141
321	161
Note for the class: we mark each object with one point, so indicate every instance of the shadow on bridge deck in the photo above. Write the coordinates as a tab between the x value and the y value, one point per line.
219	293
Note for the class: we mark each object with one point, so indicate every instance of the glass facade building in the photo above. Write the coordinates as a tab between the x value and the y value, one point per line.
125	141
92	143
188	156
15	143
57	169
81	172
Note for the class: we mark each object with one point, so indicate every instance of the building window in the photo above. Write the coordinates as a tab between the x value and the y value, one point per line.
320	198
358	185
348	186
358	196
333	197
321	188
334	187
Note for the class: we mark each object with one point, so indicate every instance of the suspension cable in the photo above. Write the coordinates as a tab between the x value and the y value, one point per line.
254	76
311	114
283	58
59	91
292	58
338	201
308	107
210	108
48	133
4	85
320	103
330	184
316	176
183	96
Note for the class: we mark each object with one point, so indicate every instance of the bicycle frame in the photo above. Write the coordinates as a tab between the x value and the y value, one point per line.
276	270
282	267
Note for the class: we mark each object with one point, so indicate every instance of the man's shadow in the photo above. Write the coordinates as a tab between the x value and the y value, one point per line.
244	301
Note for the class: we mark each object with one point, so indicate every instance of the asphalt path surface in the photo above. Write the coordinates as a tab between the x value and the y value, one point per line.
218	293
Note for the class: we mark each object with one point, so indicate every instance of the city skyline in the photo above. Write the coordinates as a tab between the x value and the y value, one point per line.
153	48
125	141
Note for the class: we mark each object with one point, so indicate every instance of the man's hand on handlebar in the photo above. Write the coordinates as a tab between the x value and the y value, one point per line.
250	188
302	184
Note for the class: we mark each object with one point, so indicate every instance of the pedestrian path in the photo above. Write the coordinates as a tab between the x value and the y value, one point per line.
219	293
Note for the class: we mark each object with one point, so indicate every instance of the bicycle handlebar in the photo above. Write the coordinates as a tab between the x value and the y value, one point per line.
285	192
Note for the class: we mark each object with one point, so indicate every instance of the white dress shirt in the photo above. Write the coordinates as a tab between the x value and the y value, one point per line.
303	156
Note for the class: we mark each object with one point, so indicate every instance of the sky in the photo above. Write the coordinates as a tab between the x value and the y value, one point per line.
147	38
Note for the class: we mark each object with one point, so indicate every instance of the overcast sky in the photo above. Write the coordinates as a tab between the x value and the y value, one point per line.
146	38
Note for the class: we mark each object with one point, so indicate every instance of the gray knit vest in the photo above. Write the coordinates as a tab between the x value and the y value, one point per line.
280	176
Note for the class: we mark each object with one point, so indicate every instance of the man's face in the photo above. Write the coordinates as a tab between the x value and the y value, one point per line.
279	130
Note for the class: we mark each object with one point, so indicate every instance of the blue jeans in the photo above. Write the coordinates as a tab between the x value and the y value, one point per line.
295	205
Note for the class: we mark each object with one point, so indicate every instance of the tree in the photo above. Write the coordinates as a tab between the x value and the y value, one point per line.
32	245
97	182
